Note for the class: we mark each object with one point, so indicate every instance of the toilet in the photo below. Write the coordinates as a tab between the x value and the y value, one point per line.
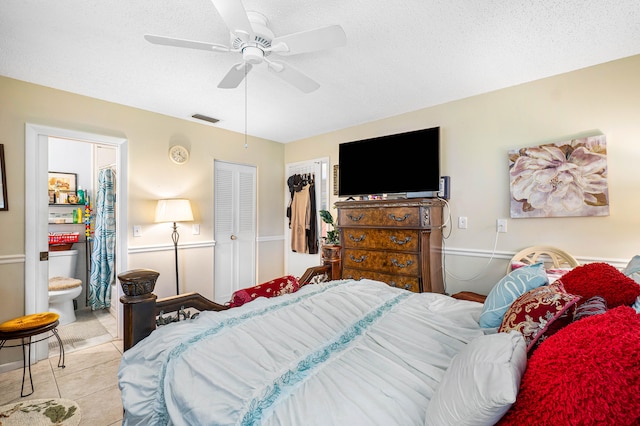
63	288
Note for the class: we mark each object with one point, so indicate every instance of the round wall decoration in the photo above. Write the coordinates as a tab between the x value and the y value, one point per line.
179	154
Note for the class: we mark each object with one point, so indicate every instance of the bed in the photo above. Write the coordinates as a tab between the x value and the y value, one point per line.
345	352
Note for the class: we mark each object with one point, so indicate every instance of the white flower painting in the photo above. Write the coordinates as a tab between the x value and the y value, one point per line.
562	179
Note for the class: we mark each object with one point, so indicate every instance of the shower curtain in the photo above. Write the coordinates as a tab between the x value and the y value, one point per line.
104	242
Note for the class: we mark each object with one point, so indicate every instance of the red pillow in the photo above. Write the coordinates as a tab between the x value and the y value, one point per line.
539	313
601	279
277	287
585	374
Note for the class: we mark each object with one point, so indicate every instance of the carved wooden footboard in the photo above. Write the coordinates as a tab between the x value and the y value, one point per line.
143	310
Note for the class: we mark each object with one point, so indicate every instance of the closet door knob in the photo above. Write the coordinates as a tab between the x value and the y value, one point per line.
233	237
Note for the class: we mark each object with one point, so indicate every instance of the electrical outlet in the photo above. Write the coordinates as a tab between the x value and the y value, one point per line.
501	225
195	229
462	222
137	231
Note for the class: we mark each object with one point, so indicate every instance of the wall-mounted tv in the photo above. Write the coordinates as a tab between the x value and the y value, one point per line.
402	163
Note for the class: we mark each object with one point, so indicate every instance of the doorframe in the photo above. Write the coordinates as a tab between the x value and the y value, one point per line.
297	263
36	212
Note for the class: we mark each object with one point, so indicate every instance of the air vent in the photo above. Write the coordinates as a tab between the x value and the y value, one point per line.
205	118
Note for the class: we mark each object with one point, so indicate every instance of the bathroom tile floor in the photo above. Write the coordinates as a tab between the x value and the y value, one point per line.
90	378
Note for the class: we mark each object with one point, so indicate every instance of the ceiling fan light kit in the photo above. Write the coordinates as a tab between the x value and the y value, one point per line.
251	37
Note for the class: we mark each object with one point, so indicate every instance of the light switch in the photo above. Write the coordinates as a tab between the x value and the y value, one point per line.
137	231
195	229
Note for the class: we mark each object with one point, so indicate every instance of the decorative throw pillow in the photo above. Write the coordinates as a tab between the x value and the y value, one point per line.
601	279
481	383
633	271
277	287
508	289
539	313
593	306
585	374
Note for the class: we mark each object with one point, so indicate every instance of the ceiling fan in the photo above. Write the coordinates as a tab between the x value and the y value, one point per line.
252	38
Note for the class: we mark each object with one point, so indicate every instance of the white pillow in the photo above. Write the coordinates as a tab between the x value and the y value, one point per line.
481	383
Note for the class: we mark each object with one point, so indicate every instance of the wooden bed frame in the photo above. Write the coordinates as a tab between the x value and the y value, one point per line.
142	308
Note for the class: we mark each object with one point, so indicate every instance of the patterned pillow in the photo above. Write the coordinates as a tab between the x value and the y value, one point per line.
594	306
539	313
601	279
585	374
277	287
508	289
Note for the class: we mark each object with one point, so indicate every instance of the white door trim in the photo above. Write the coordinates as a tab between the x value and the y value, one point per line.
36	208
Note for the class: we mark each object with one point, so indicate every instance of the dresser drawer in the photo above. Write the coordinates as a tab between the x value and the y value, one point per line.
381	217
382	261
385	239
399	281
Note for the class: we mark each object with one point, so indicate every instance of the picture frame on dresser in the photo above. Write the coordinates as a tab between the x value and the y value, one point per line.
4	204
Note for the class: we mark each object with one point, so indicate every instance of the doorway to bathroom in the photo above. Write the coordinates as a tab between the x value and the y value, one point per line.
85	320
37	217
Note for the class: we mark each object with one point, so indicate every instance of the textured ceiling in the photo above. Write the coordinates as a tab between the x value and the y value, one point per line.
399	57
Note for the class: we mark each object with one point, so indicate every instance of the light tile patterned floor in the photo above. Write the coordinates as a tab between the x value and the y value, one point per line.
90	379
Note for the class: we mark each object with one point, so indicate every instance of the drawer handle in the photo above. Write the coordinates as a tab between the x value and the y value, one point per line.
406	286
394	239
356	239
359	260
398	219
400	265
356	218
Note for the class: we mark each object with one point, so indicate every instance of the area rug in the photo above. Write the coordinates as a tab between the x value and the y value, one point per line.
86	331
41	412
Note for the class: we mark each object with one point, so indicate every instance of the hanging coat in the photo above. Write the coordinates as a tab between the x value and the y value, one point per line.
300	220
312	231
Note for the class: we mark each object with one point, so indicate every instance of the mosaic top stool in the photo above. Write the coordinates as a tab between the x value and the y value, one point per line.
24	328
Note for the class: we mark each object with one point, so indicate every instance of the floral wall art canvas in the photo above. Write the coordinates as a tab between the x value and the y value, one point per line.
561	179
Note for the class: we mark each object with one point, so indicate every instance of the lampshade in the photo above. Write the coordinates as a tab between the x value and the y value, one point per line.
174	210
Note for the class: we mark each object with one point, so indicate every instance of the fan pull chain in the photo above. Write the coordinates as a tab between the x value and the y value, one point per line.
246	145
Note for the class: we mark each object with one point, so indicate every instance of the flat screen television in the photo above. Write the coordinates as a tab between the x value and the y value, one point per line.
403	163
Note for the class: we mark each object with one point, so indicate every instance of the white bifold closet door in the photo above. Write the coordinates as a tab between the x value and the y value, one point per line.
234	228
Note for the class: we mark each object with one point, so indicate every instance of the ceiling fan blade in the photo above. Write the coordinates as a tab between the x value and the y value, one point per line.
235	76
235	17
309	41
293	76
177	42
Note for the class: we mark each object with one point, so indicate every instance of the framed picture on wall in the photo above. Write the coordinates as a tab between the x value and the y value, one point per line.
66	182
4	205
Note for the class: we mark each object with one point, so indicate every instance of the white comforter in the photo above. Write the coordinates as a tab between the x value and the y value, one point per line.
338	353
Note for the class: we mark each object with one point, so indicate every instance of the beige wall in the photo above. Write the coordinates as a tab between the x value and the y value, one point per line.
476	134
151	176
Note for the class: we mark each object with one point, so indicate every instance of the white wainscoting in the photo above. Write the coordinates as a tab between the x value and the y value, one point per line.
478	270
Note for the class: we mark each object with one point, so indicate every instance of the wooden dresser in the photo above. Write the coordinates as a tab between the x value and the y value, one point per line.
395	241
